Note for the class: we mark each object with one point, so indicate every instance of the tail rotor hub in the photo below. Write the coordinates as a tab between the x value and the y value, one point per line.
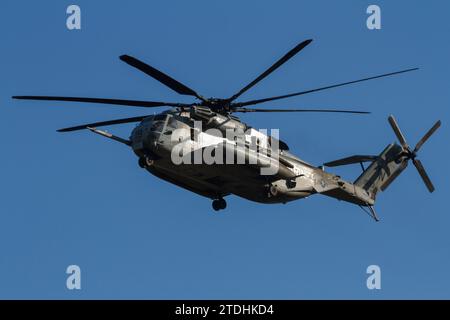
412	154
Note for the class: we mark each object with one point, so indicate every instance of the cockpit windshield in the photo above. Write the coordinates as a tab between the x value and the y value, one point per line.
166	123
160	117
158	123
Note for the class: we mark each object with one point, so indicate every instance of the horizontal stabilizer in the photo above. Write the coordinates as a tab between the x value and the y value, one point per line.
350	160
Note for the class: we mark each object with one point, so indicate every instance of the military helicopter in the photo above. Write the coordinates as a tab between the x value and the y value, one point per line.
152	140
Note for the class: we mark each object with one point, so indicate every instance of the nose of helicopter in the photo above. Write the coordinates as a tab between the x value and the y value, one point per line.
145	136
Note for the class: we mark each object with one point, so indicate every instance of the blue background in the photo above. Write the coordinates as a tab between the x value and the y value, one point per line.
81	199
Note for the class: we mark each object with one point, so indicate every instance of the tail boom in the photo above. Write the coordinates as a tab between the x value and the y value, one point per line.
383	171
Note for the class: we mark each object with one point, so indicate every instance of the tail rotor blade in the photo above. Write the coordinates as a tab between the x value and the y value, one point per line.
397	131
427	135
423	174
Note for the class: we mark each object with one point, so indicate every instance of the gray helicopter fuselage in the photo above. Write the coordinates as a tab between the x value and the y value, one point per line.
154	139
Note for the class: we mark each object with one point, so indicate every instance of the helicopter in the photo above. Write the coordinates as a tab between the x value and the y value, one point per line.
187	128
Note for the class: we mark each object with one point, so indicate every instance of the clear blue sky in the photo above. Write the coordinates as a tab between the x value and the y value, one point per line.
81	199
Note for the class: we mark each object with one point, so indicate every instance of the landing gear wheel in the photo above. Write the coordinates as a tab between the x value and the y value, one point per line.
216	205
219	204
222	204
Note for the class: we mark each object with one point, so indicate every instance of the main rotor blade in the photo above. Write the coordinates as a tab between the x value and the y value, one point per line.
275	66
160	76
397	131
253	102
244	110
103	123
134	103
424	175
427	135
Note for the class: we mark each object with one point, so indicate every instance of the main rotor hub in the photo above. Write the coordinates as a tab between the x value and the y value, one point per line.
217	103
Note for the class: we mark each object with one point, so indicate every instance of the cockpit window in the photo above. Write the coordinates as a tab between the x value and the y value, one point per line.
159	117
157	122
157	126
